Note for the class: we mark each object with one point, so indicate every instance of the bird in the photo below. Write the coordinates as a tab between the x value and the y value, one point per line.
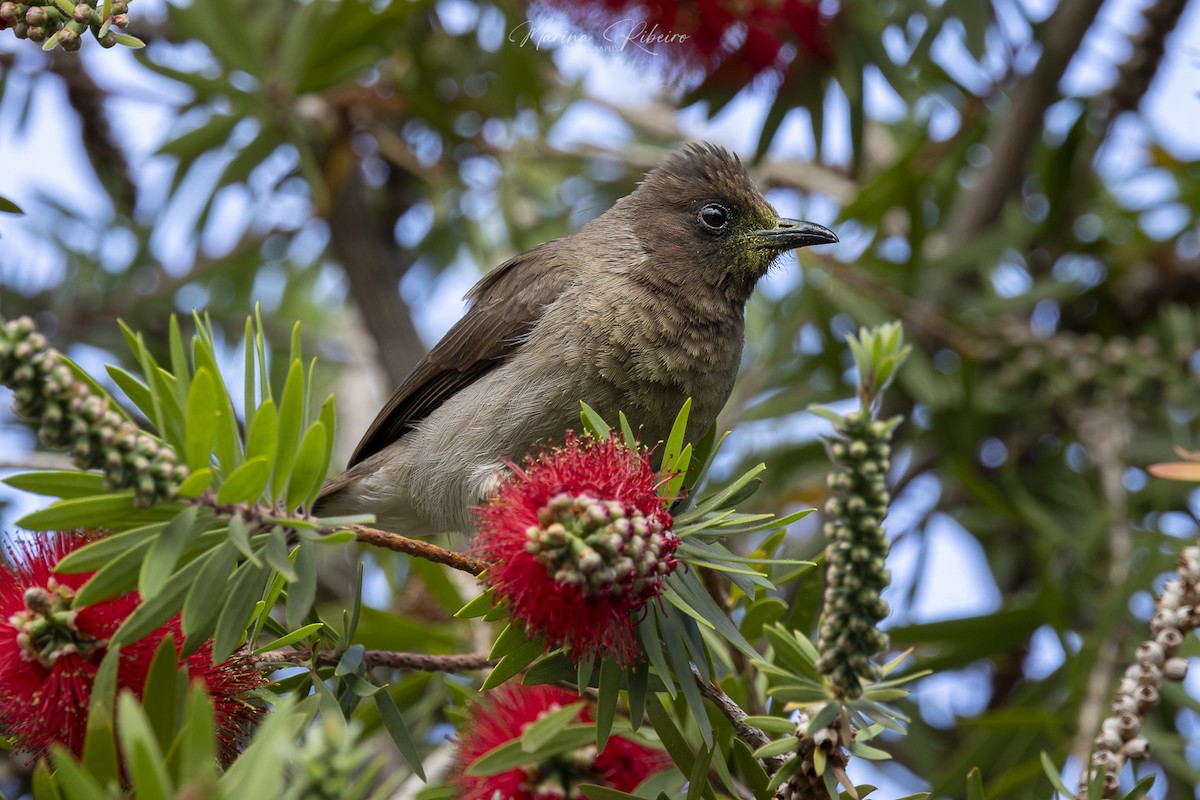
637	311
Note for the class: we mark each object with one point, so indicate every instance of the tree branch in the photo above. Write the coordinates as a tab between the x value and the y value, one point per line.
1017	132
389	659
414	547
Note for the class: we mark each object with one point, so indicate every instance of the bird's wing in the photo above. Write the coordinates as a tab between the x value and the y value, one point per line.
505	306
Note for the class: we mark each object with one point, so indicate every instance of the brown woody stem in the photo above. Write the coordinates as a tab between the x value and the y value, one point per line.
415	547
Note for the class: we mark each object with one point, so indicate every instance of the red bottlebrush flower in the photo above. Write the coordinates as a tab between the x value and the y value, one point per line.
577	541
504	714
50	651
742	37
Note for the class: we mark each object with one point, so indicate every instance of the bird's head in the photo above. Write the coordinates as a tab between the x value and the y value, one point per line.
700	215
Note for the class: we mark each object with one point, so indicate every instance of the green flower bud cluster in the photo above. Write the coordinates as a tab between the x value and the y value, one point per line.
1068	370
1176	614
606	547
71	417
62	22
559	776
46	626
855	554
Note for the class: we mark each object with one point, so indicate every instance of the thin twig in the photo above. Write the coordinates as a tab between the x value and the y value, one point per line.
749	734
415	547
390	659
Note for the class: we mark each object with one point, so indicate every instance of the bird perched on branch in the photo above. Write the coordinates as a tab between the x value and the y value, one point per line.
637	311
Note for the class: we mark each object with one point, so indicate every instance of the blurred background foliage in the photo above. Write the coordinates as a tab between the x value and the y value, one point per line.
356	165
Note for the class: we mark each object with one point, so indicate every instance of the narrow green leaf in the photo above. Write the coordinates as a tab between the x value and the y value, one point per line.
639	675
606	702
154	612
75	782
263	438
246	483
44	785
1051	770
302	592
276	553
194	760
328	418
306	475
58	483
161	696
295	636
478	606
669	734
393	720
592	422
196	483
777	748
116	577
80	512
674	446
549	726
291	420
512	637
97	554
652	644
244	592
975	785
249	371
179	362
100	746
201	424
594	792
511	755
239	534
143	758
698	783
514	662
165	551
202	604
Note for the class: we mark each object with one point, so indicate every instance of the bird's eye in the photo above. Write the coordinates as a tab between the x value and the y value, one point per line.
714	217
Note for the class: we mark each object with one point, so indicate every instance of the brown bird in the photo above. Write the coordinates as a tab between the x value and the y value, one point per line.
637	311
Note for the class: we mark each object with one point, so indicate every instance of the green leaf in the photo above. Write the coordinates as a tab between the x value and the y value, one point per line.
669	734
44	786
777	748
975	785
295	636
772	724
291	420
593	792
306	475
244	590
194	759
97	554
100	746
246	483
478	606
514	662
606	701
80	512
263	438
116	577
201	425
393	721
512	637
58	483
511	755
1051	770
276	554
302	591
202	604
74	781
155	611
9	207
592	422
165	551
161	694
196	483
547	727
328	418
143	758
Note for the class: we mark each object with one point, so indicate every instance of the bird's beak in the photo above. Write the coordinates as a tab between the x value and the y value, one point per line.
788	234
